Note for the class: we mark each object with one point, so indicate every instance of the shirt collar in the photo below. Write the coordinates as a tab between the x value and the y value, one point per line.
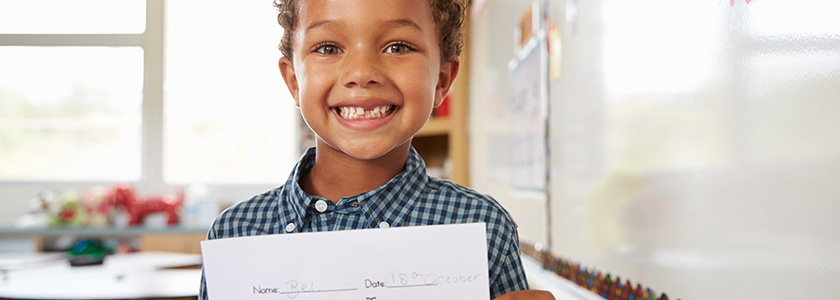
387	203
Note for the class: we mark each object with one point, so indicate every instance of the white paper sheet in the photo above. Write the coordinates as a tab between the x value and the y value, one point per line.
405	263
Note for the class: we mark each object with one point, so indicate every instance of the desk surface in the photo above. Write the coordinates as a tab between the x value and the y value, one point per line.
129	276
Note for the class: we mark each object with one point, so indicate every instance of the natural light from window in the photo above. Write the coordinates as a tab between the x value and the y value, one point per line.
77	16
228	115
72	103
70	113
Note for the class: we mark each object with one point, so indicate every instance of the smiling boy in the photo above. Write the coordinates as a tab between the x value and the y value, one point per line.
366	75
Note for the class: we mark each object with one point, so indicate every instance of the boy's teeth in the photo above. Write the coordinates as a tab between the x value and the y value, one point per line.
354	113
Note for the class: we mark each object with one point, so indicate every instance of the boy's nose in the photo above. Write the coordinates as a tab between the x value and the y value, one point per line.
362	70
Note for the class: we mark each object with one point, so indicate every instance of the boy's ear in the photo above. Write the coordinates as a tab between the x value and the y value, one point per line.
448	71
288	72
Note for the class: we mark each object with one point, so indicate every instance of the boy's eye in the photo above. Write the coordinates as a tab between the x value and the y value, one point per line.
398	48
327	49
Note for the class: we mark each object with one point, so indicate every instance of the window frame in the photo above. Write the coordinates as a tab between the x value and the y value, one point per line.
14	195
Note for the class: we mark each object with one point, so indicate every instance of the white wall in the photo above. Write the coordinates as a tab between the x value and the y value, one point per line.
694	144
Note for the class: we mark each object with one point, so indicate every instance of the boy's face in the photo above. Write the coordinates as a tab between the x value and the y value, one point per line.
366	73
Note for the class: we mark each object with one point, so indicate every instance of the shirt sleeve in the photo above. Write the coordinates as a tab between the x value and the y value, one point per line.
509	273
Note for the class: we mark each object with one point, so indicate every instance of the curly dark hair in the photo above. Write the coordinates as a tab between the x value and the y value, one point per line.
448	14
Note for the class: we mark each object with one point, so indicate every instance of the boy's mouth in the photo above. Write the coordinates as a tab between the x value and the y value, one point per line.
360	113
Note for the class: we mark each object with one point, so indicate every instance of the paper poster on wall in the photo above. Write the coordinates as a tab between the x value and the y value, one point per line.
529	114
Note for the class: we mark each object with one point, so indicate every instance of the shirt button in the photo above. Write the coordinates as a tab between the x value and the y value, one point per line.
384	224
290	227
321	206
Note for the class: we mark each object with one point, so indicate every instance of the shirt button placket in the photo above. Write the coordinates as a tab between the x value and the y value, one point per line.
290	227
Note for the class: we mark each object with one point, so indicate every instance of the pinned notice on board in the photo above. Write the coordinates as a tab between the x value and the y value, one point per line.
421	262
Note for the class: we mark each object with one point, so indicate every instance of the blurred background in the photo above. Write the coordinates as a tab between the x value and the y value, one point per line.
184	93
175	103
688	147
692	145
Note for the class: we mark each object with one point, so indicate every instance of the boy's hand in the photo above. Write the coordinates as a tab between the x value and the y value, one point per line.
526	295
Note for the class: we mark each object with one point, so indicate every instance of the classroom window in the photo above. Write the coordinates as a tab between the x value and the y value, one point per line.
228	115
77	16
70	113
76	106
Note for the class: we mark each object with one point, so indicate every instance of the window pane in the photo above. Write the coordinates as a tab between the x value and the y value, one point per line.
77	16
70	113
228	116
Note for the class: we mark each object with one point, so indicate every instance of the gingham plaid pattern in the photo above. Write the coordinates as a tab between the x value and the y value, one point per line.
412	198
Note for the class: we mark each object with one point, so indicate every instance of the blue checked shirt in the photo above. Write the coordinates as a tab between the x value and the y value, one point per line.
412	198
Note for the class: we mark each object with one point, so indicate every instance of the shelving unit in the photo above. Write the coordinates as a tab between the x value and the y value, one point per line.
435	126
444	138
447	137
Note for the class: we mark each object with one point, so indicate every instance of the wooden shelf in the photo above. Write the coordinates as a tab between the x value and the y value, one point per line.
435	126
446	139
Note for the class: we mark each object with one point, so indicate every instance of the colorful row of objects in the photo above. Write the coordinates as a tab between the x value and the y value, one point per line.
117	206
602	284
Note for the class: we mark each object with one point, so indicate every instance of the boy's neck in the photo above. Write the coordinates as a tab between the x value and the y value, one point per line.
336	175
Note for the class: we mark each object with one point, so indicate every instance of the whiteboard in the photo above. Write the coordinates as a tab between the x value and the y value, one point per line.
694	145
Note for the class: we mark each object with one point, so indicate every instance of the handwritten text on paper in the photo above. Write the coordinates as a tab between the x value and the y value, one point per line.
430	262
